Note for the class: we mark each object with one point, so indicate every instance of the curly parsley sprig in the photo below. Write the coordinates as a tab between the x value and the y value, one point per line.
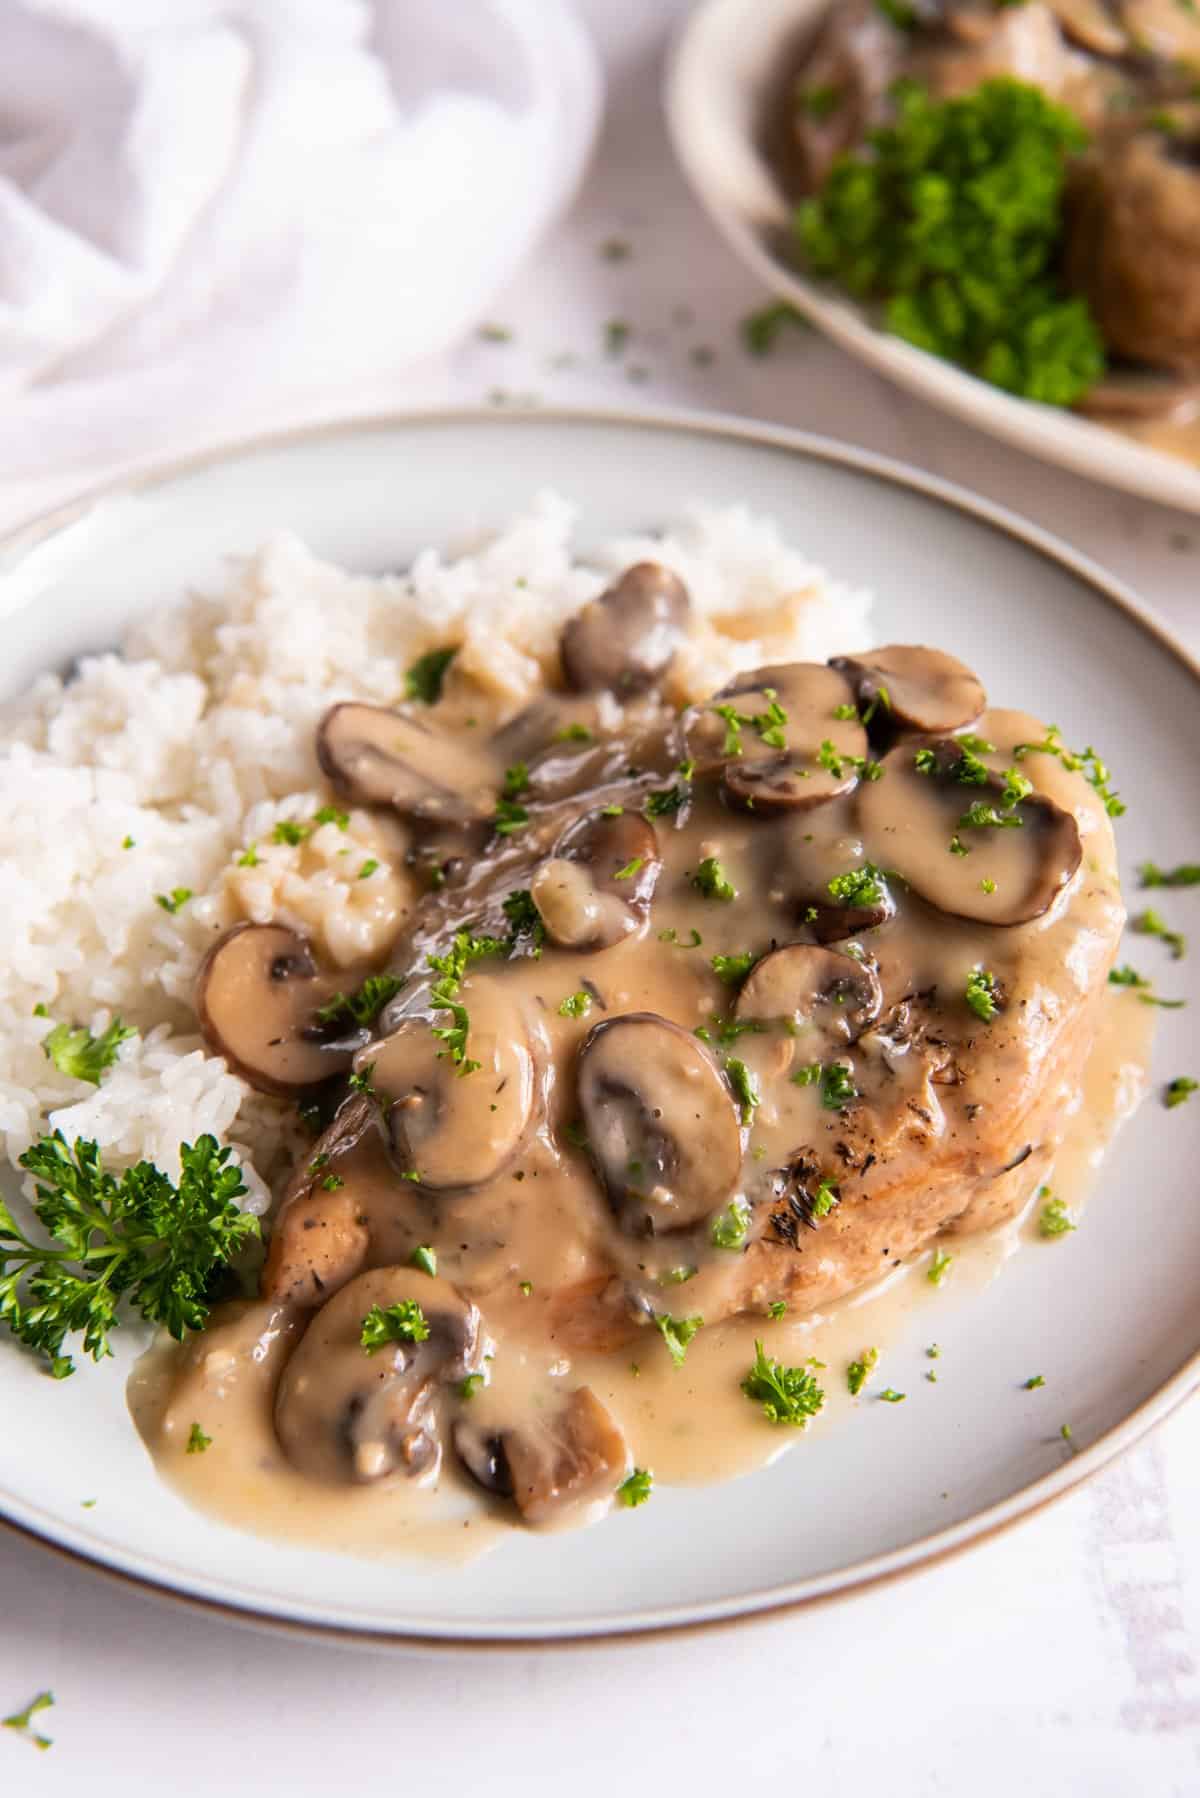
133	1236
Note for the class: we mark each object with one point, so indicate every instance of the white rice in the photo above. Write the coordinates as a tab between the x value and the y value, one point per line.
197	738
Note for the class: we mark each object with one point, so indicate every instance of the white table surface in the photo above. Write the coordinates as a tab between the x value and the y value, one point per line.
1059	1658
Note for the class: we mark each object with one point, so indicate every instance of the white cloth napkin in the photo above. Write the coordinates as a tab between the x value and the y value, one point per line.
222	214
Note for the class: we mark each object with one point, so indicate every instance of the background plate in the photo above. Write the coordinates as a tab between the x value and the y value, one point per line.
1108	1314
727	57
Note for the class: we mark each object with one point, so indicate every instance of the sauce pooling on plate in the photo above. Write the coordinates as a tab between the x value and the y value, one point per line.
707	1019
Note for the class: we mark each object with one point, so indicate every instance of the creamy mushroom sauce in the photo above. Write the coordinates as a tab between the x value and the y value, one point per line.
606	1133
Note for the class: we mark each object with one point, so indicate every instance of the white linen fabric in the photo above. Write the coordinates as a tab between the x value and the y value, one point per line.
221	214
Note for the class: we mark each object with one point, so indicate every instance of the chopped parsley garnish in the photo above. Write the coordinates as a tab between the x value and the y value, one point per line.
732	968
734	720
1033	1382
249	858
824	1199
451	969
777	1309
22	1721
171	902
616	335
288	831
1085	761
525	921
368	868
829	759
710	879
987	885
424	1258
1066	1432
1179	1091
677	1333
856	1373
360	1082
629	870
575	1005
424	679
730	1228
666	801
516	781
939	1267
469	1385
572	733
332	814
128	843
333	1182
1054	1218
402	1322
982	994
890	1396
846	713
509	817
677	1276
364	1006
1126	976
983	816
197	1441
671	935
787	1394
744	1089
636	1489
1151	923
760	329
858	887
135	1235
81	1055
808	1075
837	1085
1187	874
525	1289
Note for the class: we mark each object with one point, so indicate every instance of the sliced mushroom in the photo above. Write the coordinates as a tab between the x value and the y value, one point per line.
920	689
378	757
1092	25
257	995
829	921
627	638
458	1129
776	736
597	886
830	999
320	1238
661	1126
482	1452
349	1417
1005	873
557	1464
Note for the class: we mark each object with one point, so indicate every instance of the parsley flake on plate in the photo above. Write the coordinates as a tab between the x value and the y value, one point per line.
21	1722
787	1394
857	1372
636	1489
711	880
197	1441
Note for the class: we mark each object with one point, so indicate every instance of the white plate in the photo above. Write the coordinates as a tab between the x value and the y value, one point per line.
1108	1314
725	60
